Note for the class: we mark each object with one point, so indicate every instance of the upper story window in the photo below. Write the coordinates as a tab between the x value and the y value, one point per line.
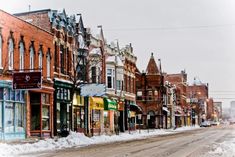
62	59
31	57
0	51
48	64
110	78
10	54
93	74
40	54
21	56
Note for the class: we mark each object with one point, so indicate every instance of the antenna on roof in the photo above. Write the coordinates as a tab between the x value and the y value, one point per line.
29	8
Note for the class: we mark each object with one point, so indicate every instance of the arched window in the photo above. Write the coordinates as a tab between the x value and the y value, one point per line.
21	55
0	51
31	58
10	54
48	64
40	58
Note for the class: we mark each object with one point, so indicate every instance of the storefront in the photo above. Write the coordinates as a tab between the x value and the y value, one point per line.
110	116
96	115
121	116
78	113
12	112
40	112
62	108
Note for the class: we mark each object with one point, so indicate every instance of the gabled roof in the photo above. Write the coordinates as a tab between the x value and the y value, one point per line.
152	66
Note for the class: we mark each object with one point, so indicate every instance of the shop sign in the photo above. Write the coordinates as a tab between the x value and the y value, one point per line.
27	80
112	106
97	106
93	90
121	106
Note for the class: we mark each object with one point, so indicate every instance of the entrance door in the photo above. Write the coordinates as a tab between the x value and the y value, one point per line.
151	121
64	117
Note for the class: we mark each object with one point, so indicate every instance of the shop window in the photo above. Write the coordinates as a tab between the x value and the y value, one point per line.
17	95
22	96
19	115
45	112
35	111
58	116
0	116
1	93
45	117
9	117
12	94
7	93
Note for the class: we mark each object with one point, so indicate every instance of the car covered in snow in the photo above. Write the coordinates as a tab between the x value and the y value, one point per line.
205	124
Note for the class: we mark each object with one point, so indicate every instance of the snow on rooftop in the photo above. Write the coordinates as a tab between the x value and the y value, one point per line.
80	140
95	51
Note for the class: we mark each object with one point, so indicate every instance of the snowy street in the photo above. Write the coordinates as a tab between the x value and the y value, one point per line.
191	142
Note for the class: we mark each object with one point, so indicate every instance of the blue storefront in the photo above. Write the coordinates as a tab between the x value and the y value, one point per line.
12	112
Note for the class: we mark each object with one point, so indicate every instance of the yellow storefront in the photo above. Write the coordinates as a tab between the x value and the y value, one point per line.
96	115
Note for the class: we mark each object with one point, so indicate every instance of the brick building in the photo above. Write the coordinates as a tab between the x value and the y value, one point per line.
198	95
63	29
210	109
25	47
182	109
149	89
129	86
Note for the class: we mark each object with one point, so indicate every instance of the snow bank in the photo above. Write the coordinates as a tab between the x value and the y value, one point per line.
80	140
225	149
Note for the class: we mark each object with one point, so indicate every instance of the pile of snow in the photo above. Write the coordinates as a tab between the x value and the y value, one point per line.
80	140
225	149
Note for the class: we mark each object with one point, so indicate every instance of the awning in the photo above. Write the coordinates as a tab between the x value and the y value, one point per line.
135	107
165	109
110	104
96	103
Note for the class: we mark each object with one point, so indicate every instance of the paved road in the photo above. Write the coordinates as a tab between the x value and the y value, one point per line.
192	143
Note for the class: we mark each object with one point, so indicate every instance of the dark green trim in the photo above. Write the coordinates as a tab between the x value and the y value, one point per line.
110	104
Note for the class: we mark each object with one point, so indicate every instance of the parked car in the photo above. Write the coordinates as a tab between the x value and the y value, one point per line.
205	124
215	123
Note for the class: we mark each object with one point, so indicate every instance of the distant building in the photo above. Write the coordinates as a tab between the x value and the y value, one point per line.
232	109
218	109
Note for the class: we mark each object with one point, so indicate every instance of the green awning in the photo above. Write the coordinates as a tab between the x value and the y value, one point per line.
135	107
110	104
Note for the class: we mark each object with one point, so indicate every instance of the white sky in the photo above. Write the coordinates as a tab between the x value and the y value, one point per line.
196	35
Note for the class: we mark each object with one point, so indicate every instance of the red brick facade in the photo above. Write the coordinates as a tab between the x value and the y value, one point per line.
21	31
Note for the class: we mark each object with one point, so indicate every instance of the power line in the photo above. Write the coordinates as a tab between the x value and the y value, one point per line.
170	28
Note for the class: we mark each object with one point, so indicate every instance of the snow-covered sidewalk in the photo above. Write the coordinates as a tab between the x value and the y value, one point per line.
80	140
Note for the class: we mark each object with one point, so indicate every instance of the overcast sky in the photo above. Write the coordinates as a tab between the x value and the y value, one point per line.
195	35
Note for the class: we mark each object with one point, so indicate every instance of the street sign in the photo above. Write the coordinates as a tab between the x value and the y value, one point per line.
93	89
27	80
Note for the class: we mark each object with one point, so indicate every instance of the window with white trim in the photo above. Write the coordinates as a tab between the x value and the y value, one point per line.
110	78
10	54
48	64
40	58
21	55
31	58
